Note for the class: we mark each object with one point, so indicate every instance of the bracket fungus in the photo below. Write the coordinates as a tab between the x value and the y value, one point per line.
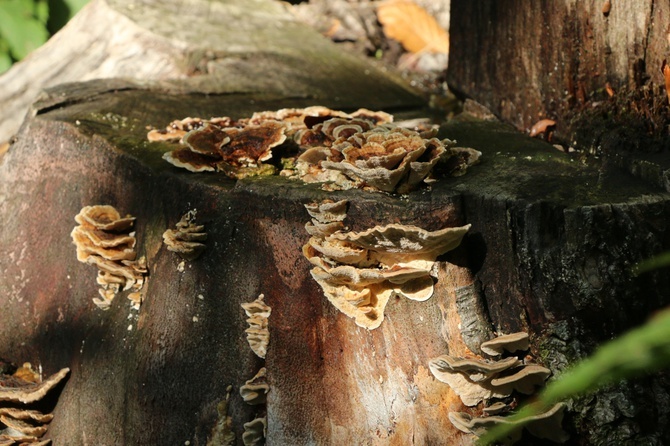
254	432
476	380
104	239
255	390
506	343
546	426
363	149
360	271
382	158
187	238
19	424
258	335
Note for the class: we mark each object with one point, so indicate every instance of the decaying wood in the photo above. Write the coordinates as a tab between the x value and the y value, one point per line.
230	46
549	252
539	258
546	59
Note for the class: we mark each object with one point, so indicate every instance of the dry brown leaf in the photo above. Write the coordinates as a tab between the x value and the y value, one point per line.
413	27
665	68
541	127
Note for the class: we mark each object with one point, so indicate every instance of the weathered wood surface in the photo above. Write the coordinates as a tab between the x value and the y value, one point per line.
549	251
223	46
544	59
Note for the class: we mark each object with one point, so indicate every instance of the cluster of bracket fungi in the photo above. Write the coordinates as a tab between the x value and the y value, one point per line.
187	238
103	238
477	380
254	391
360	271
363	149
21	388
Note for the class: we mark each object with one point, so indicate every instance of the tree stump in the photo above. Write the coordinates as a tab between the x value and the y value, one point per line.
549	252
593	67
230	46
541	257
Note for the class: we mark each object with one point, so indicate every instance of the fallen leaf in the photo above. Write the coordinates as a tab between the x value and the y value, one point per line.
608	88
665	68
413	27
541	127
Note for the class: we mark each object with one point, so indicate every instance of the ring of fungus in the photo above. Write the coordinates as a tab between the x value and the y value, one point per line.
363	149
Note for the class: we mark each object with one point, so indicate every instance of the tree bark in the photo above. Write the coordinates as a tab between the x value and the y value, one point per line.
549	252
230	46
538	258
548	59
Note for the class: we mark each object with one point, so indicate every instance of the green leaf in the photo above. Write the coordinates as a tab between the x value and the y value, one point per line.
75	5
5	61
659	261
61	11
22	32
41	11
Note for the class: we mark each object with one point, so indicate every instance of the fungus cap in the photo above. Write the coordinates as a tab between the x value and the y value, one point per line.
258	335
254	432
254	391
20	391
525	380
512	342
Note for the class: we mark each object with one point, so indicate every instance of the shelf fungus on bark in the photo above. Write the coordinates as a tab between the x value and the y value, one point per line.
359	271
511	343
475	380
104	239
470	378
238	152
383	158
546	426
363	149
255	432
254	391
187	238
19	424
258	335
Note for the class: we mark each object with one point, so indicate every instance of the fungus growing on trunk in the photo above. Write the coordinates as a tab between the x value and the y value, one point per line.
383	158
19	424
254	432
525	380
359	271
475	380
176	129
187	238
511	343
255	390
545	426
238	152
258	335
363	149
103	239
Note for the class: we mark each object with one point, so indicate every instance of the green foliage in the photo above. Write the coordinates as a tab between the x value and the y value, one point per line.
640	351
27	24
659	261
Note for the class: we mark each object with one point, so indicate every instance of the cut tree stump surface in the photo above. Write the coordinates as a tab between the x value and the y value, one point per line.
549	252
